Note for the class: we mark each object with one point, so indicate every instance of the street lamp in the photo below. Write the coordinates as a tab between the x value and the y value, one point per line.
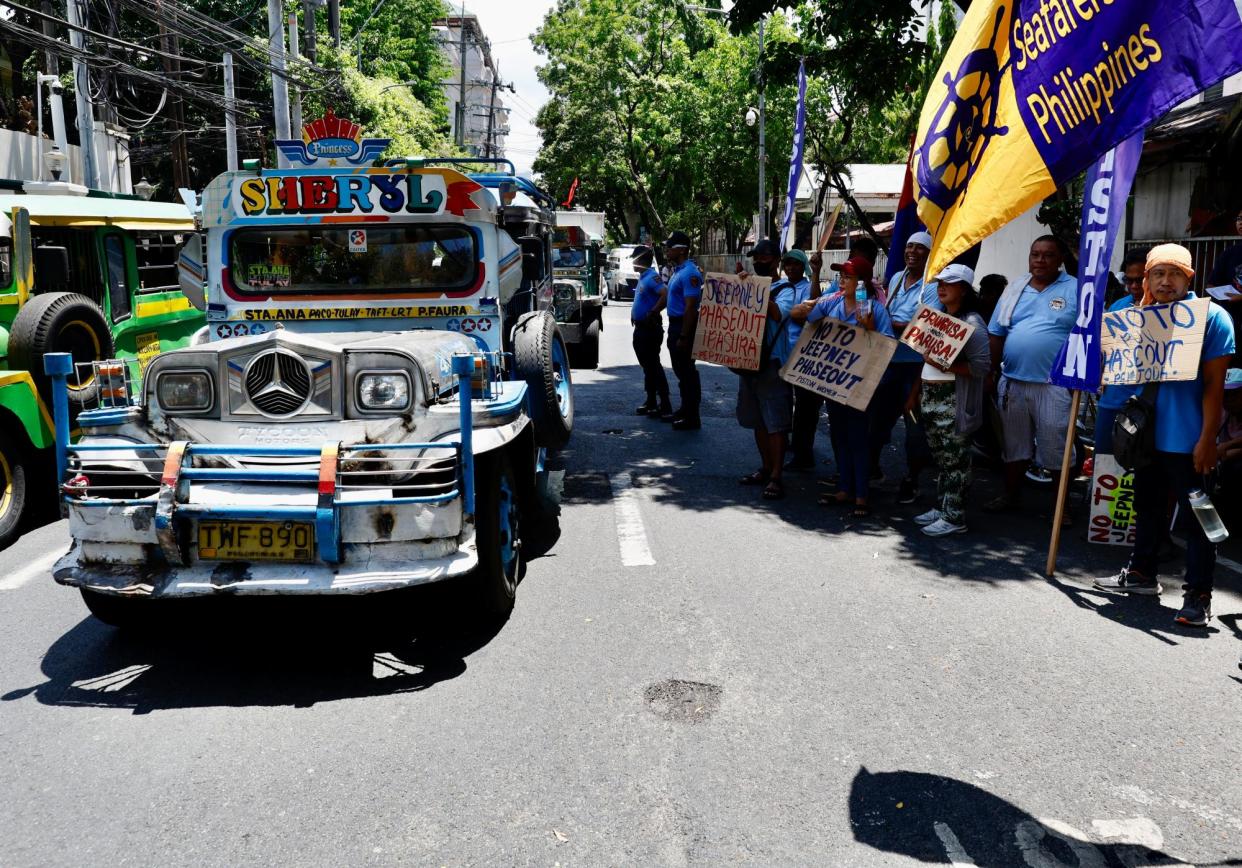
145	189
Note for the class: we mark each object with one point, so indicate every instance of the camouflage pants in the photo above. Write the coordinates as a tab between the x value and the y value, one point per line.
950	449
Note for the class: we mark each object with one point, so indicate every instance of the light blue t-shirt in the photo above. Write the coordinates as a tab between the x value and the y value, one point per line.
1114	397
1041	322
784	296
802	292
646	294
903	302
1179	403
834	306
685	282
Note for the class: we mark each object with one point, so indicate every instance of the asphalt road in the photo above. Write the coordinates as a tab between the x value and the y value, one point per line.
691	676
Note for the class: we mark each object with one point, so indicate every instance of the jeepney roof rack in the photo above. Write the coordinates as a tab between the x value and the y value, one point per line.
492	180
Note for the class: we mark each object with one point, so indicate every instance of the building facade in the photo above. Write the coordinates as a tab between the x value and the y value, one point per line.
477	111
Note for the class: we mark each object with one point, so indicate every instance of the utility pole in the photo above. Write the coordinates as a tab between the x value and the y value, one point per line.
170	44
82	91
308	29
296	110
51	63
280	84
334	22
230	117
460	138
763	155
491	111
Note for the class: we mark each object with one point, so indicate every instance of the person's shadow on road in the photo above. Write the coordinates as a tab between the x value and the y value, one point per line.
938	819
1139	613
263	652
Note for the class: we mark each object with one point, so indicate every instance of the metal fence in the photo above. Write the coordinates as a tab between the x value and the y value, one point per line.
726	262
1203	252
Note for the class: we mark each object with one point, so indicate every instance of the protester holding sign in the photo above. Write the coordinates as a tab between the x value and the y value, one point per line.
848	426
764	400
906	292
1031	322
1187	417
685	287
650	297
950	395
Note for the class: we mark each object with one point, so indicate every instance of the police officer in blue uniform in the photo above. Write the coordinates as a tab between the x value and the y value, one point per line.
685	287
650	298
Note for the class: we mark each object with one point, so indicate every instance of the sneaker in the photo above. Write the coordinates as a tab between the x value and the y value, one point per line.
943	527
645	408
685	423
908	491
930	517
1042	475
1196	609
1129	582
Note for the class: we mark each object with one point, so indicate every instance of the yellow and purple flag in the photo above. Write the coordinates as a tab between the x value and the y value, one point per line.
1031	92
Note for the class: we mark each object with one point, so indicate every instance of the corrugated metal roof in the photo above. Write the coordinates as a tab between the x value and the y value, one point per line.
97	211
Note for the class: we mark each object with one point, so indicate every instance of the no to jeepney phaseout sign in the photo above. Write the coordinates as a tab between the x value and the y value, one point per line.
936	335
1157	343
732	316
844	363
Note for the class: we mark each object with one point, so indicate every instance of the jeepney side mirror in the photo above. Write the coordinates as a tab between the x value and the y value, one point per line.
51	267
191	275
532	257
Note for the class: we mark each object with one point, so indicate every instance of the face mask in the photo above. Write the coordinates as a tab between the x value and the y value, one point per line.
765	269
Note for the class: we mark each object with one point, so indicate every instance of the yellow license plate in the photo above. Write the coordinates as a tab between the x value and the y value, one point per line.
256	541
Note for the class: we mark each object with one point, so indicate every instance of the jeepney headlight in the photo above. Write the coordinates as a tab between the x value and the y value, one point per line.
383	390
185	391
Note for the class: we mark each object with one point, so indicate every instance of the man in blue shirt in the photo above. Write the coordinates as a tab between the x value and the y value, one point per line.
650	297
1188	414
906	291
764	400
685	287
1032	320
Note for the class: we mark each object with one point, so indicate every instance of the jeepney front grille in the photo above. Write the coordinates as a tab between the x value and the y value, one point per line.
278	383
433	474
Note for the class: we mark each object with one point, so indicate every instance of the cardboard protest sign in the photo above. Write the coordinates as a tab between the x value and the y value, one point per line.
1112	503
844	363
936	334
732	314
1157	343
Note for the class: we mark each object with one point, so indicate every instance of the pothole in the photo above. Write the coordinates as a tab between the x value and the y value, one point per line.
683	701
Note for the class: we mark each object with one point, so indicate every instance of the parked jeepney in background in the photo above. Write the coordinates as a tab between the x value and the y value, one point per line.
91	275
371	413
578	298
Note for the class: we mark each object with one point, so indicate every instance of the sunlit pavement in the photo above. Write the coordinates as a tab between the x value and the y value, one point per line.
691	676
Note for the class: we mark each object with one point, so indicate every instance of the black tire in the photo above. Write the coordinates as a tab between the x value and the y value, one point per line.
14	489
124	613
588	350
493	584
536	341
60	322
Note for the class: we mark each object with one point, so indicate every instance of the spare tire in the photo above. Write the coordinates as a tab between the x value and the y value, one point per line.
60	322
540	358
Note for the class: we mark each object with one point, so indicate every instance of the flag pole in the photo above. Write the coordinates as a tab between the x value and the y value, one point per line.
1063	484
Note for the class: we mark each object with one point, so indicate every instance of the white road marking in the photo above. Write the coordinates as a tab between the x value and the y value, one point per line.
952	847
631	534
41	567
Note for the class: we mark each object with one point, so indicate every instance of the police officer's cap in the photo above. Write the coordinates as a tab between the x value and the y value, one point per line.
677	239
641	252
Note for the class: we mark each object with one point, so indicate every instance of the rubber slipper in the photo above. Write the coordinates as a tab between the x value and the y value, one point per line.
773	491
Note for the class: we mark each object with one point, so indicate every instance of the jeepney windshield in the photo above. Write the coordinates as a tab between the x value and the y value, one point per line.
568	257
395	258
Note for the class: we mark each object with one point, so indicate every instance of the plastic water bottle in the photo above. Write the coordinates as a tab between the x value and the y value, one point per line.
863	302
1209	520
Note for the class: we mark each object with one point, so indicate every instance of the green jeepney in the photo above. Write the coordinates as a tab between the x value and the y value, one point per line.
99	277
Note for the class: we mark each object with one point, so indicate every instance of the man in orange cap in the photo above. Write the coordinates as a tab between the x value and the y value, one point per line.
1188	414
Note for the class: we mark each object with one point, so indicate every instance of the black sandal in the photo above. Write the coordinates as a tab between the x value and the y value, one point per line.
756	478
774	490
835	498
860	510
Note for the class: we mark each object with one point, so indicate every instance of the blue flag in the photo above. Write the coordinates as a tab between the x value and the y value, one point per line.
795	159
905	224
1103	207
